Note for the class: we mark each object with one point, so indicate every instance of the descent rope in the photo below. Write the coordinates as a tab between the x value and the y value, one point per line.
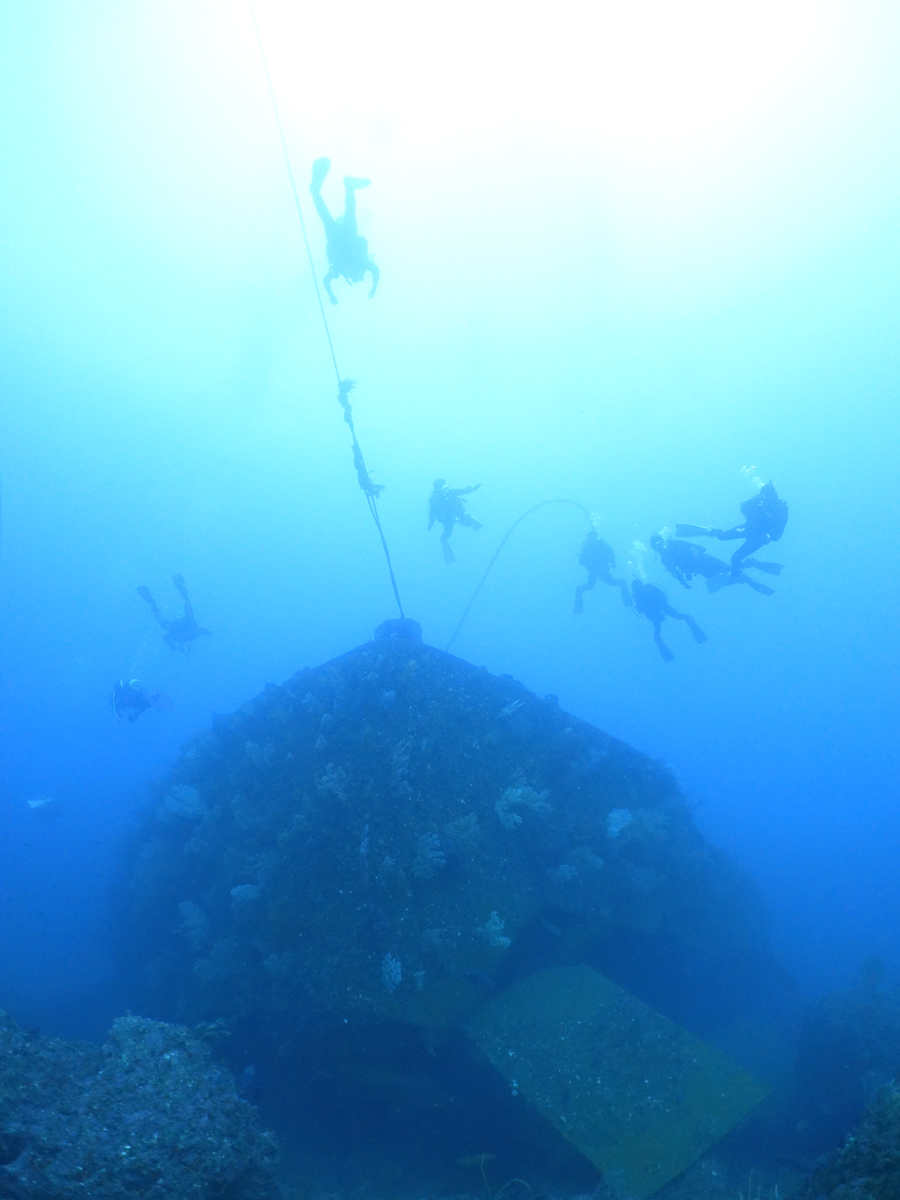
370	489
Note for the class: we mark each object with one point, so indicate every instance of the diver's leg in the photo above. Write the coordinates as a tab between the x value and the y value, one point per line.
178	580
449	556
349	218
144	593
320	169
727	535
327	219
699	635
715	583
749	547
581	589
351	183
621	585
660	644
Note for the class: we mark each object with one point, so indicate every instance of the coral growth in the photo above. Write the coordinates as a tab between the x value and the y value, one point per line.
381	809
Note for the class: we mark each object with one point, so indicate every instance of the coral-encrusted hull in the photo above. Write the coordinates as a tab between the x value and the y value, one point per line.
397	833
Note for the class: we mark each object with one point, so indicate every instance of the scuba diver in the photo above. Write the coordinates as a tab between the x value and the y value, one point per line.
179	632
653	603
598	558
765	516
684	560
130	699
347	251
446	506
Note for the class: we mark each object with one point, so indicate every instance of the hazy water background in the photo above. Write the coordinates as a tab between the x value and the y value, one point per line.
623	258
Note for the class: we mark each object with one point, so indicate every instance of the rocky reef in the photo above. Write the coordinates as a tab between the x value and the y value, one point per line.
147	1114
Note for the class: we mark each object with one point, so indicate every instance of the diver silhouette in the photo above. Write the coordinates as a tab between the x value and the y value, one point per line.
653	603
765	516
598	558
446	506
178	632
684	560
130	699
346	249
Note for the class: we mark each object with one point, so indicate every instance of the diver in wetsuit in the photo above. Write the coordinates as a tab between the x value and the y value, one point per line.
653	603
347	251
178	632
446	506
765	516
130	699
684	560
598	558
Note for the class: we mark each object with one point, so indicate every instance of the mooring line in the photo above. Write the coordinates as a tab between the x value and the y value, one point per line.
371	490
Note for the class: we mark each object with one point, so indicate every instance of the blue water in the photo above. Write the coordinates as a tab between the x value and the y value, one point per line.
642	326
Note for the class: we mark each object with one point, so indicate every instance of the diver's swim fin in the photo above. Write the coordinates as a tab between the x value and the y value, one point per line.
664	650
144	593
353	182
769	568
758	587
699	636
693	531
719	581
320	169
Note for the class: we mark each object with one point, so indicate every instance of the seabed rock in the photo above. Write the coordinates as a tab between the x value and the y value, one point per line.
148	1114
396	838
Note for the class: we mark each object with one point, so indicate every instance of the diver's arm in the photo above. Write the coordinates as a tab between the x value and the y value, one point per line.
376	275
332	274
466	491
680	576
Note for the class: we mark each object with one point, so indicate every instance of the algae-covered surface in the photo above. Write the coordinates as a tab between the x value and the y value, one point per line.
378	834
640	1097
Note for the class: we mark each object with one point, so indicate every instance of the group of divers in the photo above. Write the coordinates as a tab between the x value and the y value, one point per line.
765	515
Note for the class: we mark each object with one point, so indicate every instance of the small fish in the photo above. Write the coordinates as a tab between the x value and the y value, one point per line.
511	708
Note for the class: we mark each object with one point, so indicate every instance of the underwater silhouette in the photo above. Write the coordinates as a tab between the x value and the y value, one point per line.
130	699
446	506
653	603
765	518
684	560
346	249
598	558
178	632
